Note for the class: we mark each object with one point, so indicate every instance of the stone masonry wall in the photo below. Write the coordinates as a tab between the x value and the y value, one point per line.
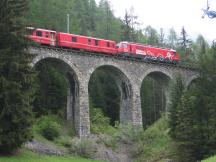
130	73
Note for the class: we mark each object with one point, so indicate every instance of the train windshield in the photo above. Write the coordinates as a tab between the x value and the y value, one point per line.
121	45
29	30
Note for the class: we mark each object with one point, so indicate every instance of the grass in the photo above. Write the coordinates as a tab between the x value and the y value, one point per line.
28	156
211	159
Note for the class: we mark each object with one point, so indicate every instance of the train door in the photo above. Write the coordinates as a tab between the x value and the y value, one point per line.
132	49
52	38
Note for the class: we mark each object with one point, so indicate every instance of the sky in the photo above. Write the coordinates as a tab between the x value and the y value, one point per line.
171	13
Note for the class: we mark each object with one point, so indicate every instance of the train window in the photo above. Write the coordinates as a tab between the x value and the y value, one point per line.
74	39
47	34
96	42
39	33
29	30
108	44
89	41
124	45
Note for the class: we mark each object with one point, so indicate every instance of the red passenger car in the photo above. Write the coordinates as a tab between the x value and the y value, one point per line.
86	43
65	40
42	36
147	52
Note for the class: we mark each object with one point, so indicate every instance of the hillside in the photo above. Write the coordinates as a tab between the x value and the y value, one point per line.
125	144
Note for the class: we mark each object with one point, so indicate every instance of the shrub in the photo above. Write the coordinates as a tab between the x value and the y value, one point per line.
82	147
100	123
48	127
64	141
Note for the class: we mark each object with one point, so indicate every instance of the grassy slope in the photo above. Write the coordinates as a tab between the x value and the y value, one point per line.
212	159
27	156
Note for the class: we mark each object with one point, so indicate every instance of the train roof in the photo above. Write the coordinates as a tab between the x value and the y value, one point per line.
46	30
32	28
148	45
86	36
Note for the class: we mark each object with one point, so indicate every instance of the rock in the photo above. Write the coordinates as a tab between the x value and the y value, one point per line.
41	148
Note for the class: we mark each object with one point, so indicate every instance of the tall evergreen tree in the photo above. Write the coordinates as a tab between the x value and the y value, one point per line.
200	47
194	118
81	11
126	27
151	36
176	94
172	38
16	77
92	15
185	43
161	38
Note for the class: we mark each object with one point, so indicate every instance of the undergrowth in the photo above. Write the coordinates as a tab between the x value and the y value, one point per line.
153	144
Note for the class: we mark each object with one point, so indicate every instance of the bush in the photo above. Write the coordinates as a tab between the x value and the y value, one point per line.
100	123
82	147
48	127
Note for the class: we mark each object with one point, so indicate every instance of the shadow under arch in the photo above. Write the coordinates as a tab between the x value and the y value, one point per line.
124	89
72	105
154	95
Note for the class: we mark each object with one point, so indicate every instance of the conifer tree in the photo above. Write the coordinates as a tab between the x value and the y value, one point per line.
16	77
187	129
193	121
176	94
185	43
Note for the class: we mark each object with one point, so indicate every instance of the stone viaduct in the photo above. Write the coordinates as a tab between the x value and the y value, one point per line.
128	75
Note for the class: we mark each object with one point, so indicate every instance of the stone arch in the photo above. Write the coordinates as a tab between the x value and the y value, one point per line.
73	94
158	71
162	78
190	80
125	88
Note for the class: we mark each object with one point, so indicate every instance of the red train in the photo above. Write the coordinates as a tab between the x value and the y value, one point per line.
108	47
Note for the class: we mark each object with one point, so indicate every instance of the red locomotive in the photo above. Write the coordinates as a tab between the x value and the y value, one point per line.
147	52
108	47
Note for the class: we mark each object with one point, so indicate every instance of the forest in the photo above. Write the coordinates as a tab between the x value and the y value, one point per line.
34	100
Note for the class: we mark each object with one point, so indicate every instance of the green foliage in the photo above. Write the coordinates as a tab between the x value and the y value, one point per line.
104	94
155	143
64	141
211	159
55	17
16	78
99	122
151	36
82	148
152	101
52	86
194	129
187	132
48	127
177	89
126	133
